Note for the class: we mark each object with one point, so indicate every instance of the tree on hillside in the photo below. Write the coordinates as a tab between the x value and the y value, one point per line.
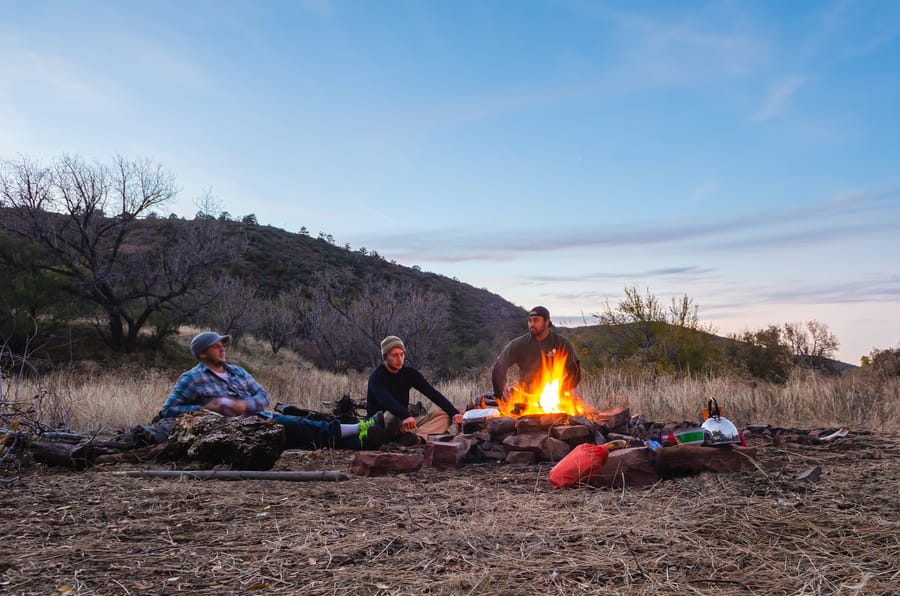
282	319
27	295
349	317
812	339
85	219
763	353
885	363
644	331
231	306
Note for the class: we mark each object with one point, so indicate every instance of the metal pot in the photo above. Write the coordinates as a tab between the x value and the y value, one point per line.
718	430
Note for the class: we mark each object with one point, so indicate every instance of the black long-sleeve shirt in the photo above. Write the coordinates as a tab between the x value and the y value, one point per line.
390	391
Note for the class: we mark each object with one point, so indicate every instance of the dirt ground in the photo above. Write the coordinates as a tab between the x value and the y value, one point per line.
481	529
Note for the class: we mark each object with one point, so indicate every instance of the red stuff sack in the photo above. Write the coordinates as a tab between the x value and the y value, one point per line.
579	466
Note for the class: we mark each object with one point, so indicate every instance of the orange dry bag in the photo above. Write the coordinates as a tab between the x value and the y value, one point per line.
580	465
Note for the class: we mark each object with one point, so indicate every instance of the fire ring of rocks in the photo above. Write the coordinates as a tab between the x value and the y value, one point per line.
534	438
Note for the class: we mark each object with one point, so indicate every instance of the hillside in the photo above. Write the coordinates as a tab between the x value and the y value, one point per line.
474	323
685	348
463	328
479	321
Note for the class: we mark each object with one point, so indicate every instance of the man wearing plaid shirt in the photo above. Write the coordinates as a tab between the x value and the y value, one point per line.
228	389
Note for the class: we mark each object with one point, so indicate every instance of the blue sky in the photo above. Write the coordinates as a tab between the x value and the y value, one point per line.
743	153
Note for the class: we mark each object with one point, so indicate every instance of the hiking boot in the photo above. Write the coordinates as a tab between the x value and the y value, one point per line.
372	434
407	439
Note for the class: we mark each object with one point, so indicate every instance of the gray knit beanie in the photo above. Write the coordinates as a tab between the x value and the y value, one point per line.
389	343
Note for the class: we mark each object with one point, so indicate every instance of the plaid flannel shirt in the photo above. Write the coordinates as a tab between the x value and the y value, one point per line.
199	385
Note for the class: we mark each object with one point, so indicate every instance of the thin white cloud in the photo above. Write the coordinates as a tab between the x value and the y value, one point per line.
873	289
778	96
690	273
716	42
849	214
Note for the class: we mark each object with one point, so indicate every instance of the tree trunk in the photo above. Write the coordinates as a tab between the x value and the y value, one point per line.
54	453
116	333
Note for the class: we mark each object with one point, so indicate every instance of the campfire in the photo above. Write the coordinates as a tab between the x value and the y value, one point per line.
548	396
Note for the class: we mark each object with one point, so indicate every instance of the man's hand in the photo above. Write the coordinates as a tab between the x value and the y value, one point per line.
238	407
457	419
227	406
408	425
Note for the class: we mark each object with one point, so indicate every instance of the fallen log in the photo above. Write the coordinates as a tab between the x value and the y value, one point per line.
245	443
137	456
292	476
61	436
67	455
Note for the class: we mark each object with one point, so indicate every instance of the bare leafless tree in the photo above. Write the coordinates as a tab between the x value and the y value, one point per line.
231	306
823	343
349	316
85	219
282	319
811	339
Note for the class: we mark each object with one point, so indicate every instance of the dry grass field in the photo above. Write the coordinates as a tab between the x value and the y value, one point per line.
89	398
481	529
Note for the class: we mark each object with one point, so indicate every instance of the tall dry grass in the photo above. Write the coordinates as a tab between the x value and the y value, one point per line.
89	398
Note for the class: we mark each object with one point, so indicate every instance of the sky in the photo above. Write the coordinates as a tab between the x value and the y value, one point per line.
744	153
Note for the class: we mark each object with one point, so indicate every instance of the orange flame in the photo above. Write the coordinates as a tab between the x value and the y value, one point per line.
549	397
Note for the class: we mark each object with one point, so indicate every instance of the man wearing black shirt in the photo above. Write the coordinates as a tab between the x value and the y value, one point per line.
388	391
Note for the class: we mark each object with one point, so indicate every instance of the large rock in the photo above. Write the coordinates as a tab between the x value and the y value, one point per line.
526	442
614	420
447	451
554	450
687	460
627	467
500	427
521	458
571	433
377	463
